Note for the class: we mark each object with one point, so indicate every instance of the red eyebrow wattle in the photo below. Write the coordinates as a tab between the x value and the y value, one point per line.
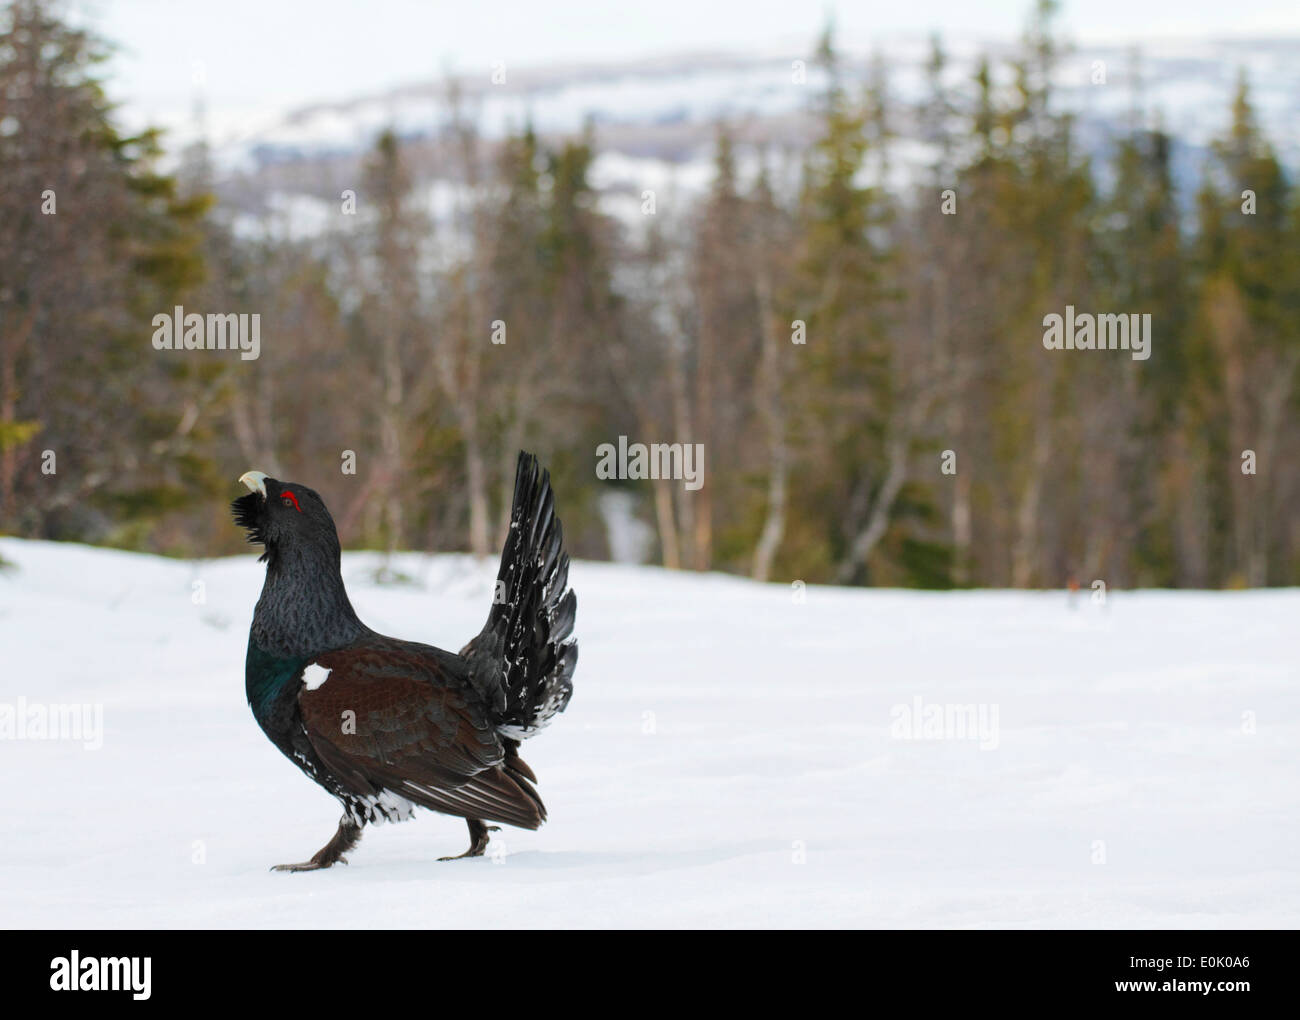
286	492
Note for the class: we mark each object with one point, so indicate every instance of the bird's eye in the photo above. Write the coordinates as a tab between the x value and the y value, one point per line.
289	499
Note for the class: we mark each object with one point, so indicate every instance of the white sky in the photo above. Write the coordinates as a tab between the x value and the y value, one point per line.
260	54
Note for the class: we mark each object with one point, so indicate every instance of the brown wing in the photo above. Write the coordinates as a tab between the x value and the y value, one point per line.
389	715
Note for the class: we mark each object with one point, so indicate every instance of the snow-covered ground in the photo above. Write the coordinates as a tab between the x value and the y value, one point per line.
735	755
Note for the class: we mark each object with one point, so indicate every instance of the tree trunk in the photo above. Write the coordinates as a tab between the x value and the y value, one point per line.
703	497
667	525
682	428
1024	556
476	472
878	519
772	412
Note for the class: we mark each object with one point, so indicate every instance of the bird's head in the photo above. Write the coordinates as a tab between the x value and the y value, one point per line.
283	516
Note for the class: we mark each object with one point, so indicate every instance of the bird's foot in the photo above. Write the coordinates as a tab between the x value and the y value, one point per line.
348	836
478	834
474	851
311	865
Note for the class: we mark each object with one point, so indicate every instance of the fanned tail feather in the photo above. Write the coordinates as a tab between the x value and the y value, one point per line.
522	662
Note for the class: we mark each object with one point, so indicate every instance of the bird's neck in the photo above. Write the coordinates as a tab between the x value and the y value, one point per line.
304	609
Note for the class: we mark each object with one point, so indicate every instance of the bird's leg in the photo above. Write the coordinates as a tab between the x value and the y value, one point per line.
478	839
348	836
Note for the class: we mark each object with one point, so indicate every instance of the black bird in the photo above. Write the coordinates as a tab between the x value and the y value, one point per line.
387	725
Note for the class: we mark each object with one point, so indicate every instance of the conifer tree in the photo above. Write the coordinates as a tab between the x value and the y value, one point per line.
97	428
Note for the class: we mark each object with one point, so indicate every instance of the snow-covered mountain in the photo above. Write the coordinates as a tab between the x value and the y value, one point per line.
735	755
655	120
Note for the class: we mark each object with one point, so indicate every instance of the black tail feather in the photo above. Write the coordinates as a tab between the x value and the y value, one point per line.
522	662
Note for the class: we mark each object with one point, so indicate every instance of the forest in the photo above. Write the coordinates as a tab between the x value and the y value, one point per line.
875	373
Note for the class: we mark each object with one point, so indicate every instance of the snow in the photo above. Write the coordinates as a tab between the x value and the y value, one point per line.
631	540
735	754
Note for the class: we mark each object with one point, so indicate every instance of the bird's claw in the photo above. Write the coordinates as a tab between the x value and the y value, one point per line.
312	865
471	852
478	848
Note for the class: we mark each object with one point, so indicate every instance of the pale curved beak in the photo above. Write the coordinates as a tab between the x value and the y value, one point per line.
255	480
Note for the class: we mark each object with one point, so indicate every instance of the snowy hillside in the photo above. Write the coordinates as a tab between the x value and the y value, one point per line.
1188	81
733	756
655	120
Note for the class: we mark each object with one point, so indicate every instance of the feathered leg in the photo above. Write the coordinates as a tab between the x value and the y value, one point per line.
347	837
478	839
